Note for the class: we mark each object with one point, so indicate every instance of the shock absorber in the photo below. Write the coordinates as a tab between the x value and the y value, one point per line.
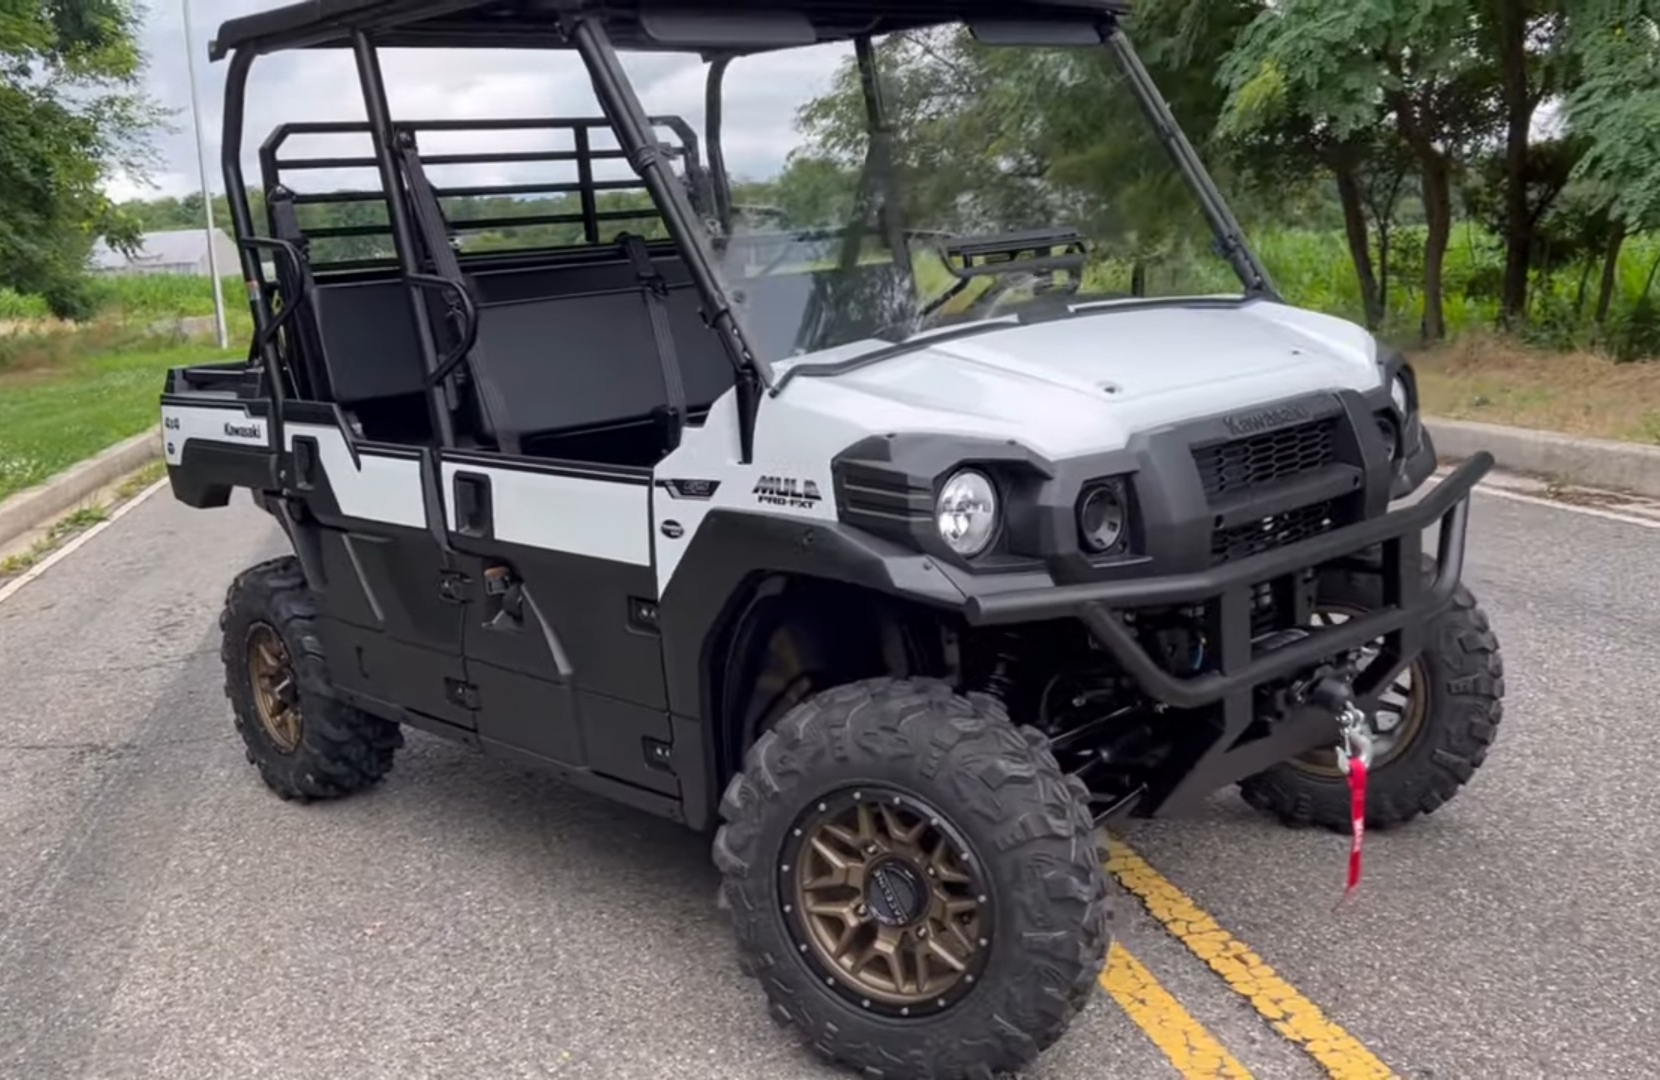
1002	660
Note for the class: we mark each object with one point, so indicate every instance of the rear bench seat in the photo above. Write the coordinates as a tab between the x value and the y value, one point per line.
565	360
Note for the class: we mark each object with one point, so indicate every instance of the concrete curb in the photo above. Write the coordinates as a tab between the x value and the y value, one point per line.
34	507
1602	463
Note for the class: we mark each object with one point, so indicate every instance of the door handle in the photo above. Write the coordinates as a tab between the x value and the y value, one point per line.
474	514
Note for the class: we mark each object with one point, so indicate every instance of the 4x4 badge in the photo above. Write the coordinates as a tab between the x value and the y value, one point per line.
788	491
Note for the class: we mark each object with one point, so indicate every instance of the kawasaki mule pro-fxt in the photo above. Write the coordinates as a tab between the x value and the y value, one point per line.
879	533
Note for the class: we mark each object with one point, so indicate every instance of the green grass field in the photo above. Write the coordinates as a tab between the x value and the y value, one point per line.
52	418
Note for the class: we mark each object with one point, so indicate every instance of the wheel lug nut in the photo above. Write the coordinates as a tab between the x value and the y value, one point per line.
861	911
922	931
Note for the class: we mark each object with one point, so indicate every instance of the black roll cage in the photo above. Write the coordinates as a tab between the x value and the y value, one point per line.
589	27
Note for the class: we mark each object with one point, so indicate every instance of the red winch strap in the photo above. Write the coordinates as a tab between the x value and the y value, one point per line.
1357	816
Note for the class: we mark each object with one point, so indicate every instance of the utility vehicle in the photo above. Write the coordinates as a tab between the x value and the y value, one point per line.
899	555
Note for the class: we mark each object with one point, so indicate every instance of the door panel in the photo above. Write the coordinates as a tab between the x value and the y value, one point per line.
388	631
556	636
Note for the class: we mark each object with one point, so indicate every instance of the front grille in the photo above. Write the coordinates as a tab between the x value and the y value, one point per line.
1275	531
1262	459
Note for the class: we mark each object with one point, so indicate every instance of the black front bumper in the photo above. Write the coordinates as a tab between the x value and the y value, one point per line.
1230	586
1225	739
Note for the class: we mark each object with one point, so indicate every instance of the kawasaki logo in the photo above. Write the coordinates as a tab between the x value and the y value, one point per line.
244	431
788	491
1267	420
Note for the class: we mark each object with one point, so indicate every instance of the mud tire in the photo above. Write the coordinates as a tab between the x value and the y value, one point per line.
341	749
1464	677
1001	789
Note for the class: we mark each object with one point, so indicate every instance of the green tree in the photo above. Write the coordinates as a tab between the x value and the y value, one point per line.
1413	66
1615	104
70	117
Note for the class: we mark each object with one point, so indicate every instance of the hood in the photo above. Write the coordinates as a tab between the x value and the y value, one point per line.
1089	382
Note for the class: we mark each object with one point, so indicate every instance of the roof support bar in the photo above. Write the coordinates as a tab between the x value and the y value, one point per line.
628	118
397	205
253	273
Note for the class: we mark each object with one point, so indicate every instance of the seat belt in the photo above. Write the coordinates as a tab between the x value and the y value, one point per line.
657	294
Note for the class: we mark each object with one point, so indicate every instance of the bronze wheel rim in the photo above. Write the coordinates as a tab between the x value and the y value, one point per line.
887	902
275	696
1401	711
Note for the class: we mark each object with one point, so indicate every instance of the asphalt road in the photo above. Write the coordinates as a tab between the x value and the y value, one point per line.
161	914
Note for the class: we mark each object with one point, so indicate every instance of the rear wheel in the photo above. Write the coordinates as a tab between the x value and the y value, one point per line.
305	743
1432	729
914	881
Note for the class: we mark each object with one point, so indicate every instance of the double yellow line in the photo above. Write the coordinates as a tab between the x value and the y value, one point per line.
1192	1049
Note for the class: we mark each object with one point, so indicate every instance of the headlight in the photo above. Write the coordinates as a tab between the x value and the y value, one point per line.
1398	394
967	513
1102	519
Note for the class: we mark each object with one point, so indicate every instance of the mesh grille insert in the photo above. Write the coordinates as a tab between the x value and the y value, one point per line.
1275	531
1262	459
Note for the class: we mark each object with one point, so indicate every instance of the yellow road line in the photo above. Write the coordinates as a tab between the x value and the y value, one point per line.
1192	1049
1294	1016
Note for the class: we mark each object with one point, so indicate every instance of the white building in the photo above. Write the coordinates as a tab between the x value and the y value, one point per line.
173	251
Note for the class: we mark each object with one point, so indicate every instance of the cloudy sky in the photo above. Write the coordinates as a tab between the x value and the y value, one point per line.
762	95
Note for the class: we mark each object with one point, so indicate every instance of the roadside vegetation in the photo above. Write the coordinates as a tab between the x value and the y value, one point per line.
68	391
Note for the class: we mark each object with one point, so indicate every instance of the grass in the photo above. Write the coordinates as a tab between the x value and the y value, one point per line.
1500	381
52	416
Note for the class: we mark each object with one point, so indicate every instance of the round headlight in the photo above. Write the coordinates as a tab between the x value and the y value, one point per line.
1101	519
967	513
1398	394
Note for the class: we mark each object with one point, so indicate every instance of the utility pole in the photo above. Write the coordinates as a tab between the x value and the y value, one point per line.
207	194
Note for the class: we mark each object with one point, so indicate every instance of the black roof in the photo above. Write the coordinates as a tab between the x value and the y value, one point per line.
733	27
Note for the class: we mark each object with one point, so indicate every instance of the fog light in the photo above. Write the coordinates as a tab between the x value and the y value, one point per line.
1391	435
1102	519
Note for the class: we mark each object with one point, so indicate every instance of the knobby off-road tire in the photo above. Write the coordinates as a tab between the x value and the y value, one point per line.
333	749
997	789
1462	677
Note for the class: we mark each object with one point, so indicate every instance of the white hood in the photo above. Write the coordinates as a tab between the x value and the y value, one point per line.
1087	383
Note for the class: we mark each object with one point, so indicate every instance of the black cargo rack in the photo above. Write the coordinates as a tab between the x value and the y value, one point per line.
589	211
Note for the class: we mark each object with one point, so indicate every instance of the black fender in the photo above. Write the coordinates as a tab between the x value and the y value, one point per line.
729	554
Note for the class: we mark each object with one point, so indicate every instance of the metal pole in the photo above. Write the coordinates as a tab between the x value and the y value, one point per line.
207	194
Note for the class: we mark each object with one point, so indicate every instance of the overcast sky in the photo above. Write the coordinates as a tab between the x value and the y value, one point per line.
762	95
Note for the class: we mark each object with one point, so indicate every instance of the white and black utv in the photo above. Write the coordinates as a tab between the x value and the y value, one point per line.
749	528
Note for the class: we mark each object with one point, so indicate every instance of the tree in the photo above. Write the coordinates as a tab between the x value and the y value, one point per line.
1415	66
1615	104
1525	40
70	117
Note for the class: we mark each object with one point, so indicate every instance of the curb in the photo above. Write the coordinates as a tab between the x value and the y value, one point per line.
33	507
1600	463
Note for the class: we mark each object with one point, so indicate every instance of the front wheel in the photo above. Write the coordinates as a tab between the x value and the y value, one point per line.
914	881
1432	729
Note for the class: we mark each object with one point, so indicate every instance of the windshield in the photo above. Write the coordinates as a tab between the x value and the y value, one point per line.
1008	181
